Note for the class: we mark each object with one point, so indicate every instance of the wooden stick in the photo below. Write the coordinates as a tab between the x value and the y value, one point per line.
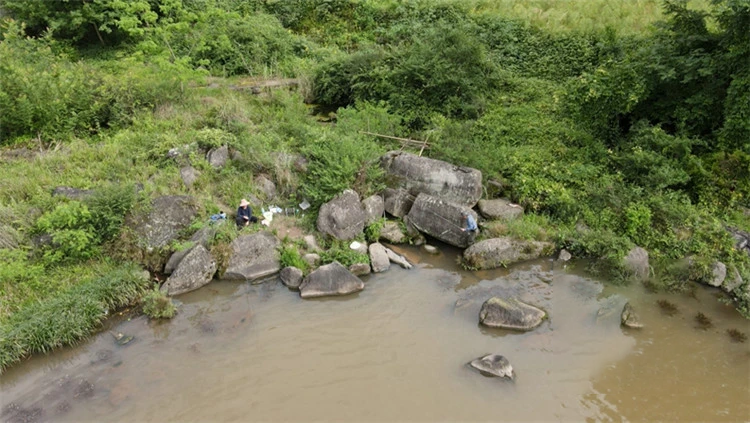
417	142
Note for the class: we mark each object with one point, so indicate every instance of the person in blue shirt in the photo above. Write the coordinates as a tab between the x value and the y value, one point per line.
470	224
245	214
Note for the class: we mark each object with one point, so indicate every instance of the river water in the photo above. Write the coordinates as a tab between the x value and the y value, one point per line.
397	351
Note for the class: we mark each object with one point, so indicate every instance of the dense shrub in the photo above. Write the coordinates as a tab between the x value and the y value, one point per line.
77	229
102	20
443	70
337	164
290	256
46	95
232	43
43	94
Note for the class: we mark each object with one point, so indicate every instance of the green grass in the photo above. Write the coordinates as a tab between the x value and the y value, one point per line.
69	316
624	16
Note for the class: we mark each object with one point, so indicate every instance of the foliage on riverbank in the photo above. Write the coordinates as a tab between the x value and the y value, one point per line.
609	138
69	316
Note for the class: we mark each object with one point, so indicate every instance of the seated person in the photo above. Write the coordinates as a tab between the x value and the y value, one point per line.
245	214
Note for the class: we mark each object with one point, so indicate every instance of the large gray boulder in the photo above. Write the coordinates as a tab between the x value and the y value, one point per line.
461	185
509	313
291	277
493	365
331	279
374	208
266	186
202	237
500	252
218	157
195	270
379	258
167	217
343	217
499	209
254	256
636	262
397	202
440	219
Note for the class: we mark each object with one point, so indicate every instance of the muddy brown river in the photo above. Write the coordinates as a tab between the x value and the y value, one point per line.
397	351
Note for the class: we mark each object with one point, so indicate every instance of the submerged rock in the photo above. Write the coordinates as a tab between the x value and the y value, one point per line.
510	313
331	279
431	249
629	318
494	365
398	259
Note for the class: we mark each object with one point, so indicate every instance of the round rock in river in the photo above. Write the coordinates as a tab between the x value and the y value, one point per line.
509	313
494	365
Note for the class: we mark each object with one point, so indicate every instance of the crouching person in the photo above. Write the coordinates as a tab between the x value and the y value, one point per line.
245	214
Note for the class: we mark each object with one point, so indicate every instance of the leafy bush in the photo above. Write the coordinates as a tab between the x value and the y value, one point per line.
42	93
372	231
73	234
337	164
232	43
290	256
157	305
47	95
109	20
108	207
339	251
442	70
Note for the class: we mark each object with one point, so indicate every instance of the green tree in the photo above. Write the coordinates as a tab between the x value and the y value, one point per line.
107	21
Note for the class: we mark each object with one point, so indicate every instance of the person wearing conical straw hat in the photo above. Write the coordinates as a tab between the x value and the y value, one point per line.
245	214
